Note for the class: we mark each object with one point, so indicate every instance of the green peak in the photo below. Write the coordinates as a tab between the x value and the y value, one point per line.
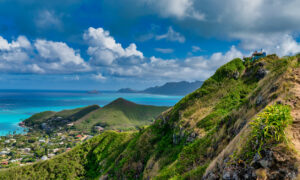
120	102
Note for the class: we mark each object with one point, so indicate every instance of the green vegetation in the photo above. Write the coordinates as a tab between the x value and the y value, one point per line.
52	133
62	117
39	118
120	115
186	141
267	130
74	164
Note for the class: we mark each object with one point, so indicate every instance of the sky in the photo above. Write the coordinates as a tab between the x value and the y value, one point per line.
112	44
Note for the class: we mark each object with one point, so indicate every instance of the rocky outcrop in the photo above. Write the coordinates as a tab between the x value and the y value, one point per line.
273	164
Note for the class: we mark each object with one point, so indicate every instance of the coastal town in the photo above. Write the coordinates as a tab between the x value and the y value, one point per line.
47	134
22	149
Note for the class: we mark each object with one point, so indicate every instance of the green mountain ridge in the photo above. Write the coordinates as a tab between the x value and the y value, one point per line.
119	115
241	124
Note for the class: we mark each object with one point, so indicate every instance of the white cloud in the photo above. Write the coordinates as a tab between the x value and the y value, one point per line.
164	50
58	51
215	60
194	68
58	57
280	43
172	35
43	57
36	69
175	8
191	68
226	19
196	48
104	50
21	42
14	52
110	58
14	56
98	76
48	19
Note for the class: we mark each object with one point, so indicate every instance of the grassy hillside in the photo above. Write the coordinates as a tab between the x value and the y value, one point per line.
243	123
76	164
119	115
50	120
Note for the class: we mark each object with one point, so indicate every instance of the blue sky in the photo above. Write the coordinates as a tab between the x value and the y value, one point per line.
110	44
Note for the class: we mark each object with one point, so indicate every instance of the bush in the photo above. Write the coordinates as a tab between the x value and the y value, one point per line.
268	128
227	70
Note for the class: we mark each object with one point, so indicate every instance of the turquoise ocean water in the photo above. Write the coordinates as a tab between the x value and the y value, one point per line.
17	105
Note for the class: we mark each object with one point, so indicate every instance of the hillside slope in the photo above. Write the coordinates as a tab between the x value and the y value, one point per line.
50	121
241	124
119	115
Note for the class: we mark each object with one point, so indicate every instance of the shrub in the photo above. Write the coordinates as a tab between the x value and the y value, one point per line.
227	70
268	129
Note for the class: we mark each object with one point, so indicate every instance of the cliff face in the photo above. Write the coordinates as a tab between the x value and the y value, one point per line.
241	124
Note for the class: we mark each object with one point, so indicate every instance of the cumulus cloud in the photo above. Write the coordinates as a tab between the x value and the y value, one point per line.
193	68
21	42
36	69
171	35
21	56
108	57
279	43
104	50
59	57
214	61
98	77
156	69
58	51
13	55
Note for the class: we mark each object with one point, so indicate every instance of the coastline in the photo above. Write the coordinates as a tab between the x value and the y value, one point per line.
22	104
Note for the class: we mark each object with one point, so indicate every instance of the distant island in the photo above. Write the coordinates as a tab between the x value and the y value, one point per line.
127	90
170	88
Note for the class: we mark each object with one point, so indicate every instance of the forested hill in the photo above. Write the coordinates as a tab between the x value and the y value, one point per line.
243	123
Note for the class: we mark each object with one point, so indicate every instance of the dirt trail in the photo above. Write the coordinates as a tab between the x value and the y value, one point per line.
296	110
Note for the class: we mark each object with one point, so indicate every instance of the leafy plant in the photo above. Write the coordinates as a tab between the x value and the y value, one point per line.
268	128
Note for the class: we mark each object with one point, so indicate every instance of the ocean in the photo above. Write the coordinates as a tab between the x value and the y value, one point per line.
17	105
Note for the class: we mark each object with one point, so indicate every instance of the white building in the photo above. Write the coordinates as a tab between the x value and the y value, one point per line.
44	158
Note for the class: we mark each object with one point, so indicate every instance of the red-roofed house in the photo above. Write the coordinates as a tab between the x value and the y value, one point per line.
79	136
4	163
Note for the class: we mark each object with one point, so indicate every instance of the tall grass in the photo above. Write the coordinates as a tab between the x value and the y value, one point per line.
268	129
